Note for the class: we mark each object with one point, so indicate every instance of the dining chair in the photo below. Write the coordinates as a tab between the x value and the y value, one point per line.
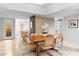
49	42
59	43
27	42
53	42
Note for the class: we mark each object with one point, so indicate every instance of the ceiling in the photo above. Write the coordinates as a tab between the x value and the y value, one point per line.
40	4
50	10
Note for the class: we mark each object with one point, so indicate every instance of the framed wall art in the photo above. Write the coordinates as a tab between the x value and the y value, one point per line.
73	23
8	29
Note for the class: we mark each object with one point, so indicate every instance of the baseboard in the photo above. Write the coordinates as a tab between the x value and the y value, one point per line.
71	47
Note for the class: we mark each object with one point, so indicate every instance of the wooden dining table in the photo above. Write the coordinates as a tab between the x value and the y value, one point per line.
36	39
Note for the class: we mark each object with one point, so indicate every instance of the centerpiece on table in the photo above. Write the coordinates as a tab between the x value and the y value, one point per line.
45	28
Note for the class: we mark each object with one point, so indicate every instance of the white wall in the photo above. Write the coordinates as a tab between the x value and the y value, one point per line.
71	35
1	28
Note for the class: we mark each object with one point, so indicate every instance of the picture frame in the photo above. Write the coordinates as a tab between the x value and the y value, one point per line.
73	23
8	24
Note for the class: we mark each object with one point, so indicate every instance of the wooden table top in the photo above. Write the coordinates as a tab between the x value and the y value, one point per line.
39	38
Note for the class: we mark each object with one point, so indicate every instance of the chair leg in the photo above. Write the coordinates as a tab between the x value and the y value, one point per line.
58	51
34	50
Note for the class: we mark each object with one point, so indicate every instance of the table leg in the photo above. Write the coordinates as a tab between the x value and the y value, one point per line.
37	52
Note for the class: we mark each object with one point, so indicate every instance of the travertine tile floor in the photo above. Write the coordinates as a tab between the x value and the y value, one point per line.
70	51
7	48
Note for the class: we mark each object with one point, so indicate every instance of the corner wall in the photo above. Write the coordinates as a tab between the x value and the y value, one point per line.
71	35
